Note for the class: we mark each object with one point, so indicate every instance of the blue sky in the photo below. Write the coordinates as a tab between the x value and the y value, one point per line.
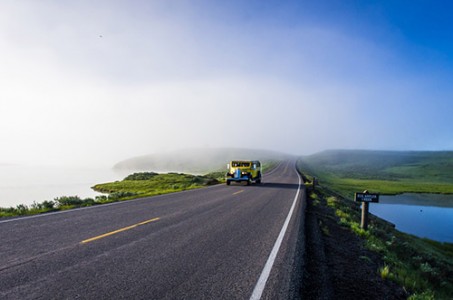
85	82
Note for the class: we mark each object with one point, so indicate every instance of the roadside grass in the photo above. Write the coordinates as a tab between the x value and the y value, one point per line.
136	185
422	266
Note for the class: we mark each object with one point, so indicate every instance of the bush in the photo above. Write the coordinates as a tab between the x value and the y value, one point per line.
88	202
120	195
21	209
68	201
141	176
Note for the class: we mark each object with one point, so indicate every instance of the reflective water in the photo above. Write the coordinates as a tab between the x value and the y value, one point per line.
423	215
24	185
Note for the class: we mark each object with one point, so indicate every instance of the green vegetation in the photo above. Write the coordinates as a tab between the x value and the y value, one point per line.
61	203
141	176
136	185
155	184
386	172
133	186
422	266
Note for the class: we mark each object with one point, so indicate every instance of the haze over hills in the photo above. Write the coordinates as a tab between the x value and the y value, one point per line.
389	165
195	160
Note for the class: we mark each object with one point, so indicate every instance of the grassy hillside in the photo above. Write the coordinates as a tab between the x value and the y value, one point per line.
146	184
139	185
387	172
195	161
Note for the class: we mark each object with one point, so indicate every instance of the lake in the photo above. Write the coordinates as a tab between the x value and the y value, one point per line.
26	184
423	215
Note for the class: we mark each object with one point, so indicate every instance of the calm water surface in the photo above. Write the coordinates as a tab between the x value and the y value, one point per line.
24	185
424	215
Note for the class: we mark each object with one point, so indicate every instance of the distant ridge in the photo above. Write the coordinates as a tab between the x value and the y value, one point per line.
431	166
387	157
195	160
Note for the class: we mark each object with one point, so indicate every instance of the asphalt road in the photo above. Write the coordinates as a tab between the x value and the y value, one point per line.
210	243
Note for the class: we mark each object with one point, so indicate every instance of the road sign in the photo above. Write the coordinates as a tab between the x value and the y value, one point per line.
365	197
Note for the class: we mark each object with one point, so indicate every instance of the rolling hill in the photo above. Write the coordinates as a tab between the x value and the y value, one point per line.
390	172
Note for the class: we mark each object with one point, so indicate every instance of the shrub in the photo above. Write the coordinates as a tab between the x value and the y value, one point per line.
88	202
21	209
120	195
141	176
68	201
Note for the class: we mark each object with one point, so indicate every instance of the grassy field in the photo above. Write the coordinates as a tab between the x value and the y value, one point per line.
422	266
385	172
156	184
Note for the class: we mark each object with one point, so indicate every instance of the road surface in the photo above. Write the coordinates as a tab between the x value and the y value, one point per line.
211	243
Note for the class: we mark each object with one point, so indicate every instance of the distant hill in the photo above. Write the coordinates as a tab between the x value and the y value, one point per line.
197	161
433	166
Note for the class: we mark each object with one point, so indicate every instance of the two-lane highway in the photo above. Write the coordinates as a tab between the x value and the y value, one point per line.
212	243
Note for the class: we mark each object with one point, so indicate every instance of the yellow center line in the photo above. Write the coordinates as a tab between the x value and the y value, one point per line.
238	192
118	231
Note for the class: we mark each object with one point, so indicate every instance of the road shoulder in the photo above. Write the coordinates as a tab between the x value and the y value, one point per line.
336	263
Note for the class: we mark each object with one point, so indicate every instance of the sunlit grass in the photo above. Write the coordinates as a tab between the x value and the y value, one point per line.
384	272
134	186
422	266
347	186
419	265
391	173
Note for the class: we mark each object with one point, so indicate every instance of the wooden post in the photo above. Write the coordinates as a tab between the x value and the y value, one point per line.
364	224
365	198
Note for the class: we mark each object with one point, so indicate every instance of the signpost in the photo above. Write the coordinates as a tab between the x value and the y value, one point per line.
366	198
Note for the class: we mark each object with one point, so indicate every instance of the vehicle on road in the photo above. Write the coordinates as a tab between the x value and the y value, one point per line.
244	171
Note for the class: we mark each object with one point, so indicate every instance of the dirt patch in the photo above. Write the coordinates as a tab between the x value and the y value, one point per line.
336	264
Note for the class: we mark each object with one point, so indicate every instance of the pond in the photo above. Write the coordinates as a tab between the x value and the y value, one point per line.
423	215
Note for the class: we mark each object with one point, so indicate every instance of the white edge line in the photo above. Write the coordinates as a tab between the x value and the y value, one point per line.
261	284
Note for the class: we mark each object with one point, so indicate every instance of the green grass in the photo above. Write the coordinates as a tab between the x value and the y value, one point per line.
384	172
422	266
134	186
347	186
156	185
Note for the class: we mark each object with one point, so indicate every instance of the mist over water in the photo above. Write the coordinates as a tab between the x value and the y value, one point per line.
26	184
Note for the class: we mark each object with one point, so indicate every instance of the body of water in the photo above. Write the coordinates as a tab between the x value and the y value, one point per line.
25	184
423	215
